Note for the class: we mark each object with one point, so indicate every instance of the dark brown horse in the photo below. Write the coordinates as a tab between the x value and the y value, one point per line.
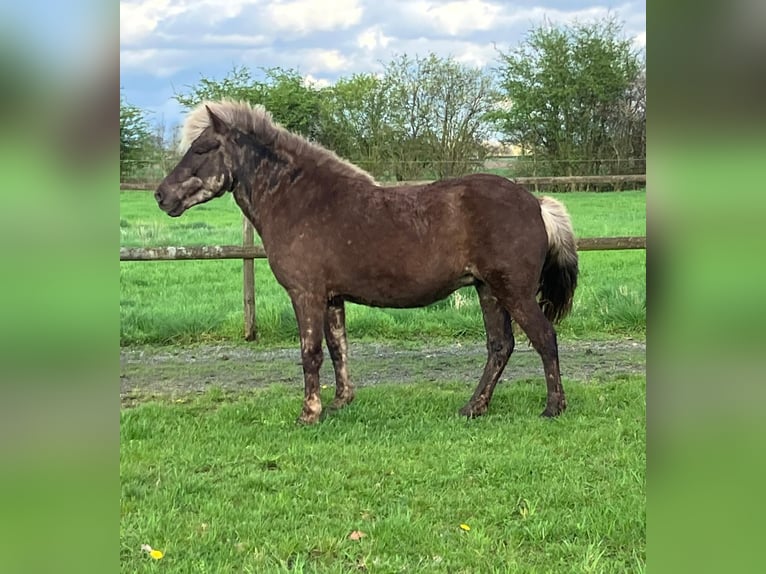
332	235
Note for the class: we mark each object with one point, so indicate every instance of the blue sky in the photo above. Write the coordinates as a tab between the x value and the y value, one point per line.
167	45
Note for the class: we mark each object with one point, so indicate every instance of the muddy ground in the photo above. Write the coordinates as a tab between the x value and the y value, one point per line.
147	372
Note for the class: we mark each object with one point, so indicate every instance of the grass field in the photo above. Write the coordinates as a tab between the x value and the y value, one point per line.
197	301
222	484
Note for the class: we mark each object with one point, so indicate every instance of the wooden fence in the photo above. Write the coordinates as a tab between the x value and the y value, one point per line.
248	251
257	252
571	180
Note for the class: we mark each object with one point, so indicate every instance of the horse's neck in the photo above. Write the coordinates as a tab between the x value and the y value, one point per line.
243	195
259	180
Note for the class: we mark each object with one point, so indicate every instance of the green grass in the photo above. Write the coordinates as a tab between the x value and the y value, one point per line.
224	485
189	301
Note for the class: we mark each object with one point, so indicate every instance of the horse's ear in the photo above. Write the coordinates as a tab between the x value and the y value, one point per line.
219	126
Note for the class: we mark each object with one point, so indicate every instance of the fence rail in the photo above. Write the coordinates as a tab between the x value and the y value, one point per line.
257	252
534	181
189	253
584	179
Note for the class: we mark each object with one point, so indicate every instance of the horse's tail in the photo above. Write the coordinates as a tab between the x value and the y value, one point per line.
559	276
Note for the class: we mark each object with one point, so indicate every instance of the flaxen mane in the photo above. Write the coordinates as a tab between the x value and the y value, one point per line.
256	120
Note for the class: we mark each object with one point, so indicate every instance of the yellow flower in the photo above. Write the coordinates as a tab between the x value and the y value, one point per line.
156	554
465	527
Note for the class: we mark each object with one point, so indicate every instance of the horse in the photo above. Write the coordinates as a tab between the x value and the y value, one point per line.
332	234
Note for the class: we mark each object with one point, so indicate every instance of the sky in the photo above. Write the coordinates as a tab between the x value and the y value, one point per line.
168	45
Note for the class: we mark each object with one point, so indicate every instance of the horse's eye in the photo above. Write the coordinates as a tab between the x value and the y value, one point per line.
205	147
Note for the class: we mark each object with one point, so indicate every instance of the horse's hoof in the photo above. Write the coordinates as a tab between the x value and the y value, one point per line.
472	411
306	420
340	402
551	412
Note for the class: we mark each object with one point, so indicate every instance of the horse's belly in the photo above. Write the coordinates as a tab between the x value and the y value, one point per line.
398	293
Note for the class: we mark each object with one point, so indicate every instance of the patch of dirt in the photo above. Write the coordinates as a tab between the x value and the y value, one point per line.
174	372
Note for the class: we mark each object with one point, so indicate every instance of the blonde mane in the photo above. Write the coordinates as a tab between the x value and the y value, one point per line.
258	121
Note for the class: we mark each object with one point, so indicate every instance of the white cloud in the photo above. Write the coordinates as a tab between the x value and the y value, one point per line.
139	19
459	17
639	40
158	63
464	17
304	16
318	61
373	38
214	11
233	40
476	55
537	15
312	82
136	58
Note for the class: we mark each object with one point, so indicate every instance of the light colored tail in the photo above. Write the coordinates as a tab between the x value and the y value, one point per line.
558	280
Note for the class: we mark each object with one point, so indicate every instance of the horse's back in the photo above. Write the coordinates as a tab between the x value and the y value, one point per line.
489	208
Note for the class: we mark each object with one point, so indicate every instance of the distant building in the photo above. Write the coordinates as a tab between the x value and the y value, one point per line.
497	148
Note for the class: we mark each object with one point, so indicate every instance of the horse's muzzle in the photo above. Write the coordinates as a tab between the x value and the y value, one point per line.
167	195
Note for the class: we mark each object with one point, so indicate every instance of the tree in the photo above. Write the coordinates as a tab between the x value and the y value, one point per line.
136	137
283	93
237	85
437	112
293	103
629	127
574	99
353	121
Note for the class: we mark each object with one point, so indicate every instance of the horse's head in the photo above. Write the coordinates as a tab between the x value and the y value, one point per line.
203	173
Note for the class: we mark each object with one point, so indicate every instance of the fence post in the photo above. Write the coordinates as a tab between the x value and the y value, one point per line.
248	274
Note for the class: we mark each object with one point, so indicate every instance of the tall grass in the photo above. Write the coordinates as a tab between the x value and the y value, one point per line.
181	302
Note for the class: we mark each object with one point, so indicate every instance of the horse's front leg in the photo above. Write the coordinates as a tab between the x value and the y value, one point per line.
309	311
335	335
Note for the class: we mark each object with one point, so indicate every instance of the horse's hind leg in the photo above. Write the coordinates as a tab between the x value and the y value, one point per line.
335	336
497	323
529	316
309	311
